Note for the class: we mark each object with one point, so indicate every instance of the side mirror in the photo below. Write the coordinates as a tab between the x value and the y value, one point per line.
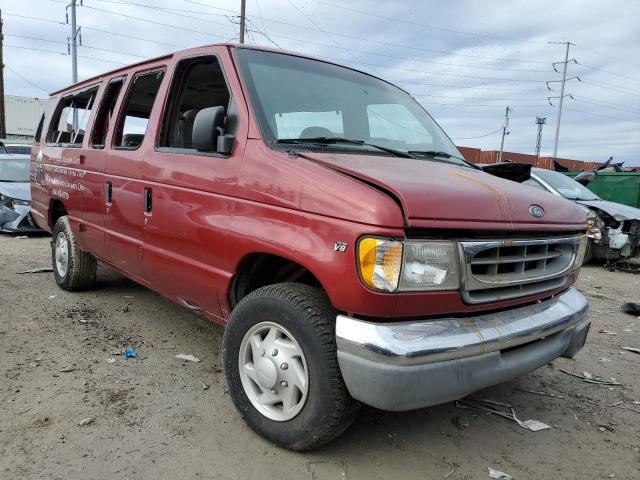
208	126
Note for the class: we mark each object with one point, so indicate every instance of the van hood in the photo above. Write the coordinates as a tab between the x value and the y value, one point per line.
441	195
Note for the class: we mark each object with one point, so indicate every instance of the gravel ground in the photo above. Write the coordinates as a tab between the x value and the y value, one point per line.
157	417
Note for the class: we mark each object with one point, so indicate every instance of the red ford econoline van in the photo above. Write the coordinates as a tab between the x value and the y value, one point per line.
323	217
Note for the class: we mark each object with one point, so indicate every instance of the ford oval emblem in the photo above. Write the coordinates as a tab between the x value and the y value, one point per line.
536	211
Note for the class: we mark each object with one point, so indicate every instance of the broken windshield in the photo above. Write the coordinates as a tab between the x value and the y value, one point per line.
566	186
298	98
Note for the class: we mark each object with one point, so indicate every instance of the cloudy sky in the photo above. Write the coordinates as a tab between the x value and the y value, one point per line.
465	61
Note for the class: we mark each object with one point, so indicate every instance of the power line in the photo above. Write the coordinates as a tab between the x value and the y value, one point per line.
378	42
154	22
618	59
325	32
479	136
173	11
594	114
475	98
42	50
609	72
25	79
624	108
608	86
422	25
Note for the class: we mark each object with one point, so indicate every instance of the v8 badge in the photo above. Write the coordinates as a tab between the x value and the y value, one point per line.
340	247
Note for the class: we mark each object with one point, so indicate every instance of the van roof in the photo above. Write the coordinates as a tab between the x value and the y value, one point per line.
125	68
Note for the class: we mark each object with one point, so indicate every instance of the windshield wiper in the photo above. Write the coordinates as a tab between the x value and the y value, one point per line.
438	153
333	140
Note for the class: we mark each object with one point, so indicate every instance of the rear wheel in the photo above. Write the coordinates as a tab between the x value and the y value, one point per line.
281	367
72	268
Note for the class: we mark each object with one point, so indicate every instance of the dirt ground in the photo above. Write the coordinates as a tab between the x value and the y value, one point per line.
157	417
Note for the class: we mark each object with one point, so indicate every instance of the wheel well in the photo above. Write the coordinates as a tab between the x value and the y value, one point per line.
56	210
261	269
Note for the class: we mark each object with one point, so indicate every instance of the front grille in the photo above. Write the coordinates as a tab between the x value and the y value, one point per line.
505	269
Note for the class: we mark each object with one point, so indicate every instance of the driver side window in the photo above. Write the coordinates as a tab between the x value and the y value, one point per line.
198	84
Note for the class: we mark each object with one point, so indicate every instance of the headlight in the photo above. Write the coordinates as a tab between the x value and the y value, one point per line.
391	265
380	261
430	266
582	248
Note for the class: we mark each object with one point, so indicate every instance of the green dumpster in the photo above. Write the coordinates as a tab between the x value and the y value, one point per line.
620	187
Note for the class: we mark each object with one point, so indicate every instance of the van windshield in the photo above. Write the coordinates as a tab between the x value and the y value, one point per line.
310	102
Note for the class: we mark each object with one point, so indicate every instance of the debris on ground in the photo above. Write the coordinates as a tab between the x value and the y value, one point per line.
450	471
51	297
589	378
461	422
111	360
493	473
129	353
607	332
125	309
86	421
631	349
21	237
544	394
624	407
205	386
502	409
36	270
187	358
631	308
68	369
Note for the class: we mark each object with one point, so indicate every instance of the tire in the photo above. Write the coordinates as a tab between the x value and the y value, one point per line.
306	316
73	269
588	253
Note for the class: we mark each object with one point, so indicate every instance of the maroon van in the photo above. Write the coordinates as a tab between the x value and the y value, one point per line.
324	218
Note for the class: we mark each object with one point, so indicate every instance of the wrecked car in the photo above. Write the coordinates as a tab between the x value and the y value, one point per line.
613	228
15	194
324	218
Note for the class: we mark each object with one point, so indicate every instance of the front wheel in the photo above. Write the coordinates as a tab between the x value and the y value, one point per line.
281	367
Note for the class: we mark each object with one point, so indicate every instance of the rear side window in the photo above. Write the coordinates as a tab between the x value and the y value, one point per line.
198	83
135	113
105	113
70	119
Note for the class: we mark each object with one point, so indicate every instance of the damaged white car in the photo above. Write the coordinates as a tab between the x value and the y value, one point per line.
15	194
614	228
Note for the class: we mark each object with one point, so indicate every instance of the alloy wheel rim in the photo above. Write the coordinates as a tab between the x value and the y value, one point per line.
61	252
273	371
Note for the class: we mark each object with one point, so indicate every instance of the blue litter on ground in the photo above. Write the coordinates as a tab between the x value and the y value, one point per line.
130	353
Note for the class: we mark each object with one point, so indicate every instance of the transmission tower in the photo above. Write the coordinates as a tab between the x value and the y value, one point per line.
562	84
540	121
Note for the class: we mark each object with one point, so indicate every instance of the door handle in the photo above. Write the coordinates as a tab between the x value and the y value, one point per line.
108	193
147	200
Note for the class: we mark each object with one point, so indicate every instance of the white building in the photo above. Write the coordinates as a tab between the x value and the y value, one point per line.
22	115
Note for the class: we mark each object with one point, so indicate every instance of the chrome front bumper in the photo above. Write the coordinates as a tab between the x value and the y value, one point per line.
407	365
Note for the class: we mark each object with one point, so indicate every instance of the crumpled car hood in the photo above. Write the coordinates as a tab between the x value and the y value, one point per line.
441	195
18	190
618	211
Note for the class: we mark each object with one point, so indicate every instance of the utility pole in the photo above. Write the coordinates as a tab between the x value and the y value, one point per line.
540	121
3	126
243	5
562	84
505	131
73	40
